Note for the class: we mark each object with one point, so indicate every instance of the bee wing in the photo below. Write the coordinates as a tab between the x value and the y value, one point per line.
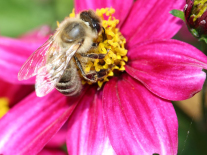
47	76
43	84
36	60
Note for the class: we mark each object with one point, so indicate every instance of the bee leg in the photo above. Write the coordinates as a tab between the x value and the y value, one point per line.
102	73
92	76
94	45
93	55
95	76
104	34
98	75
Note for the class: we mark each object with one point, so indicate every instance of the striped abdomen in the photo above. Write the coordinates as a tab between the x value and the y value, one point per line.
70	82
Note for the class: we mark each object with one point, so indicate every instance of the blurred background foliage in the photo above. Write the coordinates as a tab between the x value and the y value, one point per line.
20	16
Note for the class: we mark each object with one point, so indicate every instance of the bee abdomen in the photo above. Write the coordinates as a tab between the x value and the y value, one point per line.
71	88
70	83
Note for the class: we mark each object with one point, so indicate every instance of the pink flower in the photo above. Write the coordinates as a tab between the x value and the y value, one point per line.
11	91
132	114
10	88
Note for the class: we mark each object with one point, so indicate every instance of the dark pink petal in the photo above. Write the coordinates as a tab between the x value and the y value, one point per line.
151	19
86	133
171	69
137	121
14	92
47	151
122	8
28	126
13	53
58	140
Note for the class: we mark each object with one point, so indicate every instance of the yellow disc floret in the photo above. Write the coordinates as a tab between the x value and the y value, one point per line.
113	46
4	106
71	15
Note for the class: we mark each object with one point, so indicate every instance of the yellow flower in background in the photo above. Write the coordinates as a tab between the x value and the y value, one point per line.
4	106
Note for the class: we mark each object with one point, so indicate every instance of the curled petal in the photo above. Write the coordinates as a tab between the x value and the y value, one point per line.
122	8
171	69
86	133
137	121
150	20
28	126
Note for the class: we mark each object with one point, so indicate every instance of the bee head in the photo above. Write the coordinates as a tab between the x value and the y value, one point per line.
92	19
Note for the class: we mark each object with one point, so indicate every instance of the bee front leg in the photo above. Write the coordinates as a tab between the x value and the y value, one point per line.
93	55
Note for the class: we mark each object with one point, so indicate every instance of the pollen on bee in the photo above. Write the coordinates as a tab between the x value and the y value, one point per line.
4	106
113	46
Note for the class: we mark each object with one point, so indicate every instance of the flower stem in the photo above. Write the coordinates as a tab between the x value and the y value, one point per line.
204	91
204	108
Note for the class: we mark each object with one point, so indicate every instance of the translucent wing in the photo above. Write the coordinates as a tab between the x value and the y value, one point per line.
50	74
36	60
43	84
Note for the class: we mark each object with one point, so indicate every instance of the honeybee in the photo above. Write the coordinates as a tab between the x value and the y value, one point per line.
58	61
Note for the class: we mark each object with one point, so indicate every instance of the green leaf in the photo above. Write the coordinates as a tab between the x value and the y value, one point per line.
178	13
17	17
64	148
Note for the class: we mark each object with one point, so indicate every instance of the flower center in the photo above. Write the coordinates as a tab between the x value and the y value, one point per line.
112	44
4	106
199	7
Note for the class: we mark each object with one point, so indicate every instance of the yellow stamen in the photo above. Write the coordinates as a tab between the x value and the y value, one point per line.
113	47
4	106
71	15
111	73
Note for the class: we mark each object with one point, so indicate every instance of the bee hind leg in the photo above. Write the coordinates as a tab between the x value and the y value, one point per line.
96	76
